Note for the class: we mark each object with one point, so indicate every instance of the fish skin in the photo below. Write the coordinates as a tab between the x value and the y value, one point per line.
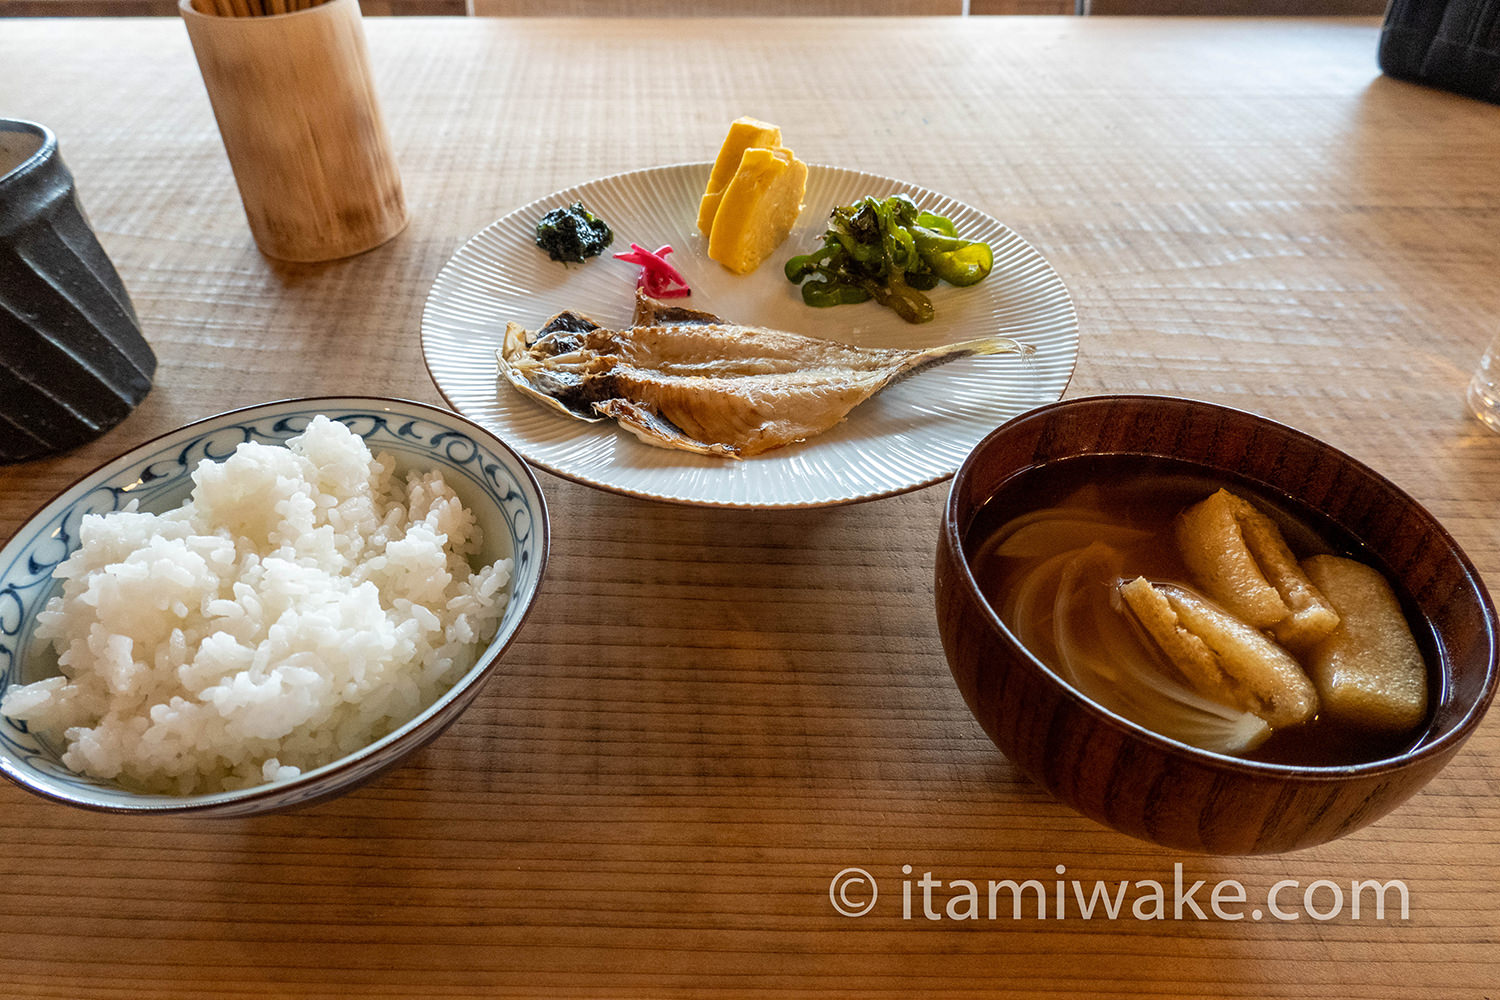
686	379
654	312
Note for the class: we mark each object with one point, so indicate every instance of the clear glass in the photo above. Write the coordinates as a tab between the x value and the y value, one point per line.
1484	387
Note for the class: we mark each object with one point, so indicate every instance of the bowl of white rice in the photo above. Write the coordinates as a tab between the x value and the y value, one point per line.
262	609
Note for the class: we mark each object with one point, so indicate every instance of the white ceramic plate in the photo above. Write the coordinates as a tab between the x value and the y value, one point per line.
913	434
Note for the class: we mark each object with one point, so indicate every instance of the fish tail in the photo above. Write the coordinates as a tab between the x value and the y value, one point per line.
963	349
982	345
967	348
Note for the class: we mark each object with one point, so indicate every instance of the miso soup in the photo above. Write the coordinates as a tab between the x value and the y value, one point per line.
1051	554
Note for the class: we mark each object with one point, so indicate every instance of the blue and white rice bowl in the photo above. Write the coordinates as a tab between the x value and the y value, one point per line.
491	480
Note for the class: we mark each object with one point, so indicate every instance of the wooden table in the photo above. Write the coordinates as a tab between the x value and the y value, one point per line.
712	713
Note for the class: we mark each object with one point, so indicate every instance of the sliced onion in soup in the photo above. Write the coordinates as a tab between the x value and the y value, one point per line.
1100	654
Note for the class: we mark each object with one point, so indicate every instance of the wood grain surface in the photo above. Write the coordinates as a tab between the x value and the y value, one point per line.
709	8
168	8
712	713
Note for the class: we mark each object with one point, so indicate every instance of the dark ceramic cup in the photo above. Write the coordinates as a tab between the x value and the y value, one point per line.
73	362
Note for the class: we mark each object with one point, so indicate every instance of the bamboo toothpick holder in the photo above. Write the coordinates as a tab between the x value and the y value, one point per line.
291	90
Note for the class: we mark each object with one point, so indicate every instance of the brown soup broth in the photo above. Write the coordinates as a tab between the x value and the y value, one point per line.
1148	492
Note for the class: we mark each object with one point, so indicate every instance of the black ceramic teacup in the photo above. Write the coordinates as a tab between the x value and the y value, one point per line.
73	362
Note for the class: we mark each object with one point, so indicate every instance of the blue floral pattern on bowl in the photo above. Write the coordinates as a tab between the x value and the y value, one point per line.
490	478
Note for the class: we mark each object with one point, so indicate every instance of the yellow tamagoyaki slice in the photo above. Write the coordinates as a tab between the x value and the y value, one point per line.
1240	559
758	209
1220	656
1369	672
744	133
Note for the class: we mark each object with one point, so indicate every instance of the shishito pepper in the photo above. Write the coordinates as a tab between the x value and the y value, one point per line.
954	260
890	251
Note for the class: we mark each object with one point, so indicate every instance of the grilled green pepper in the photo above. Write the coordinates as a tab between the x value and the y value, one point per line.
890	251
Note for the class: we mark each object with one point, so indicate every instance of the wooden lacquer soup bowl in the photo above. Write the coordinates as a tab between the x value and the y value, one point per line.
1159	789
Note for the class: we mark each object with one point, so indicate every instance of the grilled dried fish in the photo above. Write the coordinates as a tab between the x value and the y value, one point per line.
681	378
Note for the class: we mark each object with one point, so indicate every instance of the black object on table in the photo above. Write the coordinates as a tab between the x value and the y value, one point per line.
1451	44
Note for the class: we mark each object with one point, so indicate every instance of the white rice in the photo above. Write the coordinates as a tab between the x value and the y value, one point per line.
304	602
